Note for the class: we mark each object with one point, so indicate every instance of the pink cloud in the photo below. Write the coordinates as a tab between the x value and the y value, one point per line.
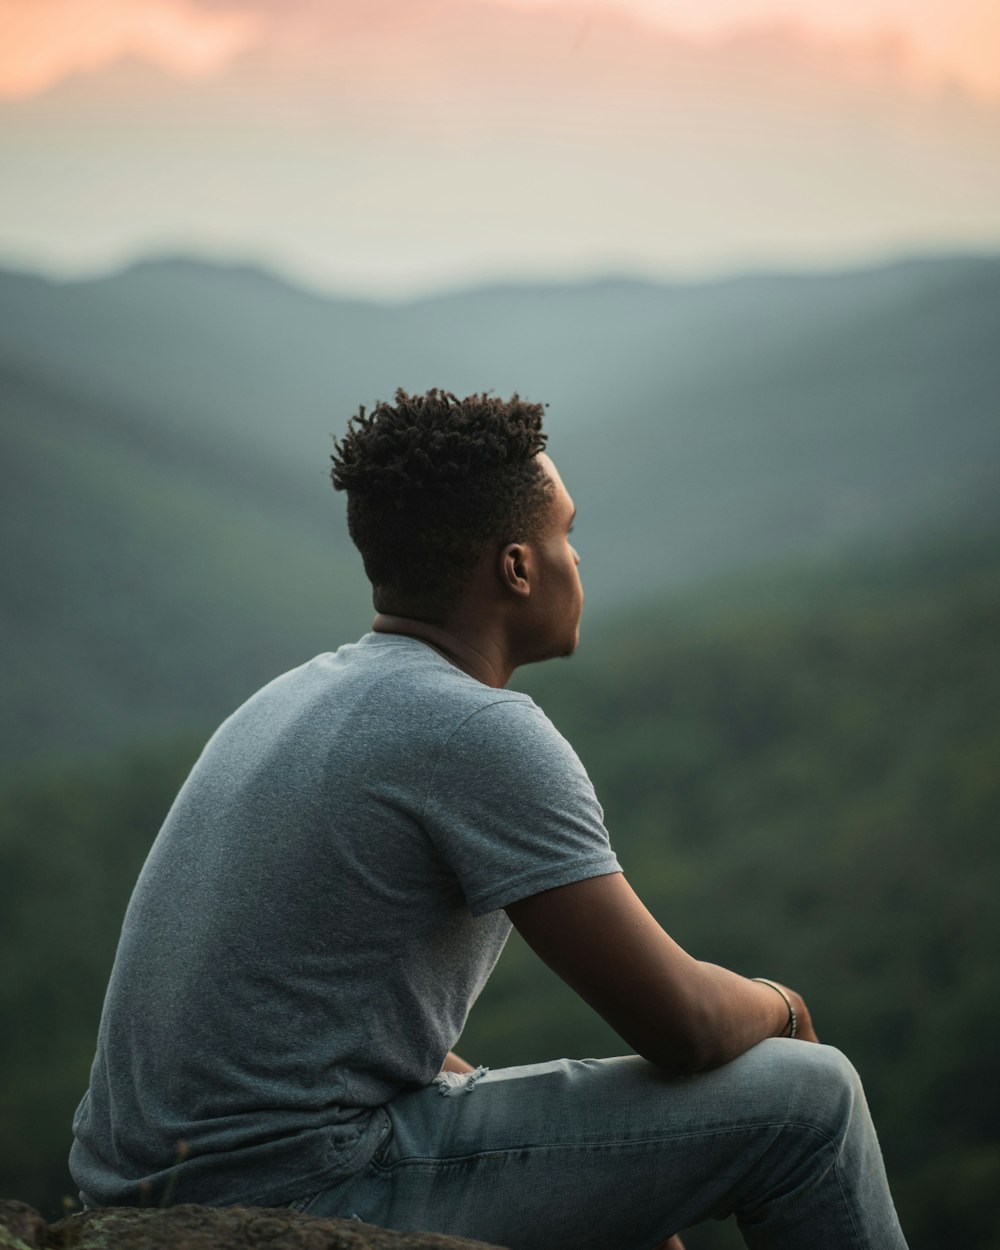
410	139
45	40
444	48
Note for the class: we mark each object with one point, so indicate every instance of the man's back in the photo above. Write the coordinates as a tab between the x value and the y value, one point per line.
327	895
320	910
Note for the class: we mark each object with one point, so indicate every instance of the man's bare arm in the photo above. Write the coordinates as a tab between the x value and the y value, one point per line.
676	1011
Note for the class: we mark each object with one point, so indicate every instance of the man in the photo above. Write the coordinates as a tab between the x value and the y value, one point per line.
332	888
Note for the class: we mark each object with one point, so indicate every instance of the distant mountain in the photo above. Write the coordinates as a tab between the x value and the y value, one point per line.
172	539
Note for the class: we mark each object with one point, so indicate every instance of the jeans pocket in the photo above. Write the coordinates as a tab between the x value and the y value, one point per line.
380	1160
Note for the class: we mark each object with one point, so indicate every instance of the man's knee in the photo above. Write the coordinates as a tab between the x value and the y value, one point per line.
817	1086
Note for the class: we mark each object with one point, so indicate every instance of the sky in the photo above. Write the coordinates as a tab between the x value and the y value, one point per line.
393	147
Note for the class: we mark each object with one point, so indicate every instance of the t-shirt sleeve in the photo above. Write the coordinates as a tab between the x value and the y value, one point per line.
512	810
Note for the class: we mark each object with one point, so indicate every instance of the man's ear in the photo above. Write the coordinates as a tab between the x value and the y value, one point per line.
515	568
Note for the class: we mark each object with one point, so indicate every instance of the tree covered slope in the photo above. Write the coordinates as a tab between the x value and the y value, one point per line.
172	540
799	772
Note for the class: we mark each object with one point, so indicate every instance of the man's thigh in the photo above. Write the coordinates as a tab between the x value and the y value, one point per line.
607	1153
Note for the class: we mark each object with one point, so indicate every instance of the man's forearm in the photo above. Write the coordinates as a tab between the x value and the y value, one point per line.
678	1012
739	1013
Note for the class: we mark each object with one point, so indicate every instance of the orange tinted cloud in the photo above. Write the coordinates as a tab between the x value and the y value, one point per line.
42	41
45	40
955	41
403	144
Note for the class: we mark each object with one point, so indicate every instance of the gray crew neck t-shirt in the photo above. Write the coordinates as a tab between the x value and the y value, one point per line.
315	919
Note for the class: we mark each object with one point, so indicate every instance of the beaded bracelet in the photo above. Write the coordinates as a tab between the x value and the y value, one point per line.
792	1027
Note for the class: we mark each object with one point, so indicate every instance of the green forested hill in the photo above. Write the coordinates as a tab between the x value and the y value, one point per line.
800	773
151	579
172	541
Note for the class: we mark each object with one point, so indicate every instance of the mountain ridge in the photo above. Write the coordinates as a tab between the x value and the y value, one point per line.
166	454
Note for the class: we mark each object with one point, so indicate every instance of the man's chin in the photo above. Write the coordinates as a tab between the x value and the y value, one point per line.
570	649
554	653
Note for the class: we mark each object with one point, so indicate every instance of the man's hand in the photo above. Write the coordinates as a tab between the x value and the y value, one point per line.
676	1011
453	1063
804	1030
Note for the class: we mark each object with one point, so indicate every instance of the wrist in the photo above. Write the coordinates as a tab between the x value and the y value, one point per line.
791	1027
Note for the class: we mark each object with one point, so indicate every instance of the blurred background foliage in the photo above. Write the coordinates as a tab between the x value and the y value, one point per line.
787	694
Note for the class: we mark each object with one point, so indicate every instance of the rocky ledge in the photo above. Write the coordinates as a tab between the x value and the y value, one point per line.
206	1228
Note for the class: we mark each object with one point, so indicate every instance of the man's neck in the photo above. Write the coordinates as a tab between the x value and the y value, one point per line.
480	657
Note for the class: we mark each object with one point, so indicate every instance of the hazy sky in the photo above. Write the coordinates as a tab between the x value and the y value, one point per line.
391	146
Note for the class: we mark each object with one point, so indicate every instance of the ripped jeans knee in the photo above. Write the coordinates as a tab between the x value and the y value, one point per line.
454	1084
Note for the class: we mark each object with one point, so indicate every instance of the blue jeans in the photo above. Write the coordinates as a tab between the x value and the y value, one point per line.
614	1155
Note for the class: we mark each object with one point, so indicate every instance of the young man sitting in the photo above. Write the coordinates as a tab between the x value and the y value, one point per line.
339	874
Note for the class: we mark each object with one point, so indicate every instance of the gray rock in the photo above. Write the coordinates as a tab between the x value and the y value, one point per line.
191	1227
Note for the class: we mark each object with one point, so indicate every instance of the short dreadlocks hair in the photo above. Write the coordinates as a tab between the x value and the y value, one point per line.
432	482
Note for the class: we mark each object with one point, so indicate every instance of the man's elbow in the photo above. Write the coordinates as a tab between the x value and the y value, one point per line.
681	1057
683	1051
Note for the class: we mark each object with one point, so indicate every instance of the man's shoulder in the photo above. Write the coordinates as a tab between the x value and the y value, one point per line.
377	694
418	696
